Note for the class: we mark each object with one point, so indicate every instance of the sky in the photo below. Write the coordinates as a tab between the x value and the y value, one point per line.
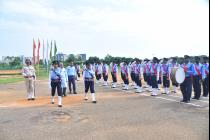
130	28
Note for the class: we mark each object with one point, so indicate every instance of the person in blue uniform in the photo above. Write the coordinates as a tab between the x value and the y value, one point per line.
197	76
89	76
205	76
138	76
145	71
160	74
55	82
165	72
155	71
186	86
105	72
114	72
125	75
71	71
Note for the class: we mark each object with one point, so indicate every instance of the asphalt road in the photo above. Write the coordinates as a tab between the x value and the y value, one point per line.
118	115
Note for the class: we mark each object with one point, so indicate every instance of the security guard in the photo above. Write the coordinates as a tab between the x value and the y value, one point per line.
114	72
155	71
71	71
165	72
29	74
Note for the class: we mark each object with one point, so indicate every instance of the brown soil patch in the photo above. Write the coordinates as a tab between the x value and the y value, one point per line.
43	101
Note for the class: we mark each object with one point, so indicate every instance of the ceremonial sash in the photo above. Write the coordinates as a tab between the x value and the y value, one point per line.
155	71
197	70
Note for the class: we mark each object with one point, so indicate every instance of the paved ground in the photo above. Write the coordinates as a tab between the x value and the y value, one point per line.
118	115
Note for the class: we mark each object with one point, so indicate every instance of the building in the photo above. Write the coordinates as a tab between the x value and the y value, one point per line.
61	57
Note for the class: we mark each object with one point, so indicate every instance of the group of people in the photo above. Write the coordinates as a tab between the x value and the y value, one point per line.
153	73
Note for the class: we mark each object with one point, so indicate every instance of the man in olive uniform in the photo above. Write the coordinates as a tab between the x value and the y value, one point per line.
29	74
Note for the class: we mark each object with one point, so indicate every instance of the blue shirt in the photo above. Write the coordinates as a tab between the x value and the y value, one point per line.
188	69
114	68
88	74
165	69
155	69
205	70
55	74
71	71
197	70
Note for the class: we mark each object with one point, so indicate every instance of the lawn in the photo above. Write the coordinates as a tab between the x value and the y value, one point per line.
10	80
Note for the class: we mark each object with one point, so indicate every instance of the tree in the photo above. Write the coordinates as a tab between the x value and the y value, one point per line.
94	59
71	58
15	62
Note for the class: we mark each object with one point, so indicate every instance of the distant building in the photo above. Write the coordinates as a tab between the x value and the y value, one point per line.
61	57
83	56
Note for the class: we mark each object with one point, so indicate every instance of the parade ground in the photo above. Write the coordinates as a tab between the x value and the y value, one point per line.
118	115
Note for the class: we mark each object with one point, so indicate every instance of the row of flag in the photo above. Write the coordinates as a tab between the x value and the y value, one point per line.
46	56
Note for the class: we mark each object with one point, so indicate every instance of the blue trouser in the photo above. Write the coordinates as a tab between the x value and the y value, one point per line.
114	78
56	85
89	85
72	82
138	80
186	89
197	86
105	77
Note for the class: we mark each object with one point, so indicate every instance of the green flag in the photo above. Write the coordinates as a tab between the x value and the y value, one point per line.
55	49
51	51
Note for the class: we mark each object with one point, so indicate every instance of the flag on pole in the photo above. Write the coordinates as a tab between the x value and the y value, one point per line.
47	54
43	57
51	51
55	48
39	46
34	52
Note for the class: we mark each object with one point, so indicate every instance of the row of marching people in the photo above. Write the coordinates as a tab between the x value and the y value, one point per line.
156	73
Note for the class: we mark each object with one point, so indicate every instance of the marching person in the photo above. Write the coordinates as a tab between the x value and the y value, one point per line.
165	72
149	75
138	76
98	72
186	86
29	74
145	71
64	79
55	82
114	72
132	70
105	73
174	64
160	75
155	71
78	71
88	76
71	71
205	77
125	75
197	76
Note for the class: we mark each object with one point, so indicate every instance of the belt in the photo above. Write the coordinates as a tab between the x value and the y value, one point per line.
56	81
89	79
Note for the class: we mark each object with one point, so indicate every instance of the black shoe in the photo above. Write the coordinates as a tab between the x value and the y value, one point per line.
29	99
94	102
187	102
52	102
70	92
194	98
183	101
75	92
33	99
60	106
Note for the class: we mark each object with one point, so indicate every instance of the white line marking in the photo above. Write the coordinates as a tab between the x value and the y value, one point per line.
142	94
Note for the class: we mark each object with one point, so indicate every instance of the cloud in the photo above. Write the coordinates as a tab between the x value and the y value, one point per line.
150	25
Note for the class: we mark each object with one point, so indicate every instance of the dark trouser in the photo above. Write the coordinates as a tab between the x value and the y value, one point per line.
114	77
138	80
64	91
149	80
89	85
206	87
154	81
126	80
166	82
175	84
105	77
72	82
78	74
186	89
145	77
133	76
98	76
160	81
56	85
197	86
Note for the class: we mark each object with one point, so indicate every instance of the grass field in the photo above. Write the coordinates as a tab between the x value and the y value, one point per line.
13	76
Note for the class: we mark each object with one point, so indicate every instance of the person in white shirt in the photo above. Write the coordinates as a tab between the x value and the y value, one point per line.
64	79
71	71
